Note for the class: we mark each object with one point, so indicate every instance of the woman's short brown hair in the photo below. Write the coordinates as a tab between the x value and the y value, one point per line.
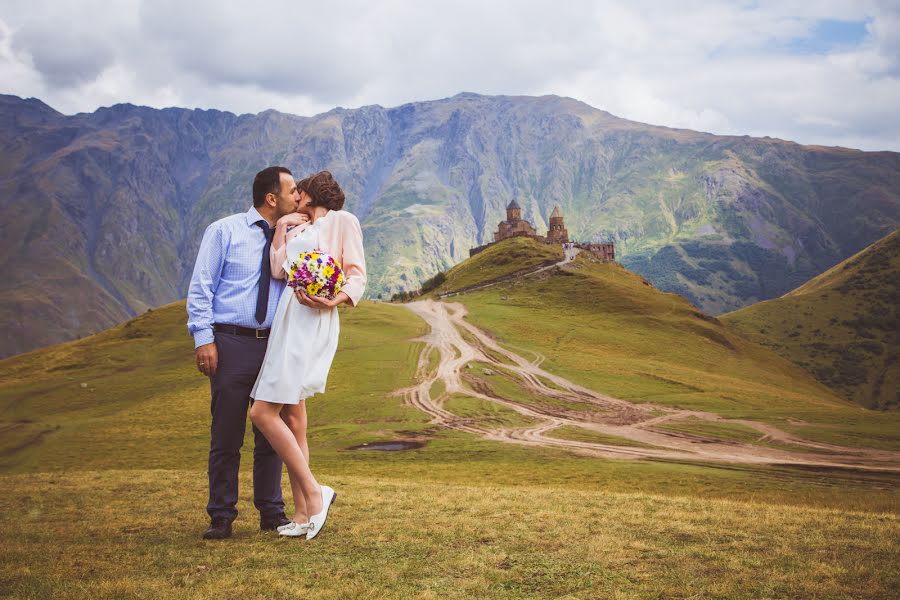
323	190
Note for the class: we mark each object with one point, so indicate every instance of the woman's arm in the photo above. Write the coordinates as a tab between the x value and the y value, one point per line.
354	259
278	252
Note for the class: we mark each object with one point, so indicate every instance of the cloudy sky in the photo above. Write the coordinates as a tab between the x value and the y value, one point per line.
817	72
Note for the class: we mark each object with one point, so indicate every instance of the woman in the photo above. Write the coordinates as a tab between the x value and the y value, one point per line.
304	339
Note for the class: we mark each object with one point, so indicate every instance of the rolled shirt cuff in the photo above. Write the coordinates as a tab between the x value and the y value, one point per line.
203	337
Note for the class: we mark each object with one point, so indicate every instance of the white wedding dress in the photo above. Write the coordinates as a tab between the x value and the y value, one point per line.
302	342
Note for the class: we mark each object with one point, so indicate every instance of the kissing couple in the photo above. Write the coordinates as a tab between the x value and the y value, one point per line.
269	347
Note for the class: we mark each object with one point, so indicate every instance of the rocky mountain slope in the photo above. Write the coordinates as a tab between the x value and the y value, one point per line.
102	213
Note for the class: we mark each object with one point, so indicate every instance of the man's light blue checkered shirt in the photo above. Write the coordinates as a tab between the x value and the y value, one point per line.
226	277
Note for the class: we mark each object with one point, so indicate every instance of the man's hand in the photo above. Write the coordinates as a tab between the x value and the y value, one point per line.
293	219
207	357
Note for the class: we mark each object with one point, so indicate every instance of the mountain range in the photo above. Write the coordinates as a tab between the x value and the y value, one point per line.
102	212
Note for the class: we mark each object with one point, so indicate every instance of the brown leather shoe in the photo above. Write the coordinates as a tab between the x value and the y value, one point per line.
218	529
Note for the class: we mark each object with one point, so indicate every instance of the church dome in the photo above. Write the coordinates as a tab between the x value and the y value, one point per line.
513	204
556	214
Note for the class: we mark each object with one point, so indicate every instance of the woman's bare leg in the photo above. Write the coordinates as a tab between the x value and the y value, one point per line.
296	490
266	416
294	416
301	514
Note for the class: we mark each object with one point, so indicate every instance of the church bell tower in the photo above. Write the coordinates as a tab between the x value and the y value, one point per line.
557	232
513	212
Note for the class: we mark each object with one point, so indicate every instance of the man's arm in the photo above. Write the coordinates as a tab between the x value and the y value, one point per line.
204	281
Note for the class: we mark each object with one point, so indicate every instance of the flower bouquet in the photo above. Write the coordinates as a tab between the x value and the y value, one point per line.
318	274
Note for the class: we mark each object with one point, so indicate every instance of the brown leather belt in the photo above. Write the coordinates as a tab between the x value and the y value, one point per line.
259	334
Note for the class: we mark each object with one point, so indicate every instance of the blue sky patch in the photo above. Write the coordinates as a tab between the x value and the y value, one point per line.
828	35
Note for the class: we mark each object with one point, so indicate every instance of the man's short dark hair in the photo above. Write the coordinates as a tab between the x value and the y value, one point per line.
267	181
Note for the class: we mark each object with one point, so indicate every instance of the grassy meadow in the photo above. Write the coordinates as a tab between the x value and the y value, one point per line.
103	472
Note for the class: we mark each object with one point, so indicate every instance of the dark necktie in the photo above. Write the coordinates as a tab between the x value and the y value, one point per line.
265	274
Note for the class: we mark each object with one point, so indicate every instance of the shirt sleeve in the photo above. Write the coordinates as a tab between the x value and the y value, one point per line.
354	259
204	281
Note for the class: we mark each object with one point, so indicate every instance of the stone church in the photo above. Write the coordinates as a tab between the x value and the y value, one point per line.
516	226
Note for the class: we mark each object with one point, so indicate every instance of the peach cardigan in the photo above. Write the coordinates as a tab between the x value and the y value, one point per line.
340	235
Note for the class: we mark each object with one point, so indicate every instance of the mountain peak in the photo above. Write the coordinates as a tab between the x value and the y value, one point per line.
10	100
16	111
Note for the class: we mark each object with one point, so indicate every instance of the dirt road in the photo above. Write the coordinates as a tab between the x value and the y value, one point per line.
459	343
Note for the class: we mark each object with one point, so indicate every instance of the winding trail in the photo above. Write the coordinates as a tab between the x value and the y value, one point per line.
459	343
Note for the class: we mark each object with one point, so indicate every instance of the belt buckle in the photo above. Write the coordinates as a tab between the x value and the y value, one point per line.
260	337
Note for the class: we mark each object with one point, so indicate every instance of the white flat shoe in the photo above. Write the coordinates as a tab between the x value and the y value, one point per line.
286	525
316	522
293	529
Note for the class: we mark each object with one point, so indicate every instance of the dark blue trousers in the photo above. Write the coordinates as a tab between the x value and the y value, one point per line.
240	359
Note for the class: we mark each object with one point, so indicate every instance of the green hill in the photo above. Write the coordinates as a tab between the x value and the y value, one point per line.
840	326
89	403
609	329
498	260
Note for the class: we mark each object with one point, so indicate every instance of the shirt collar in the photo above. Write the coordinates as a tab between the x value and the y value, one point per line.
253	216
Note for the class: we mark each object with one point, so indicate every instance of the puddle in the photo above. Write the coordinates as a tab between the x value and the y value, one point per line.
388	446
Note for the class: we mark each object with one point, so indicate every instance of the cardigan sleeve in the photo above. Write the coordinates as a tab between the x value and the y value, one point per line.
354	258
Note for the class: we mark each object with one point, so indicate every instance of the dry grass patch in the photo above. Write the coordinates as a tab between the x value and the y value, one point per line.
136	534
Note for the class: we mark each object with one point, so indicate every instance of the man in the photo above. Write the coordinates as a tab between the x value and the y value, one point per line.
231	303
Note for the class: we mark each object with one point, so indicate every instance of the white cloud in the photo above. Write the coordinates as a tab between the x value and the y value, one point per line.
721	66
16	69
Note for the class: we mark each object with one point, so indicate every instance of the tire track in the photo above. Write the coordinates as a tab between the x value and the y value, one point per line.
450	336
